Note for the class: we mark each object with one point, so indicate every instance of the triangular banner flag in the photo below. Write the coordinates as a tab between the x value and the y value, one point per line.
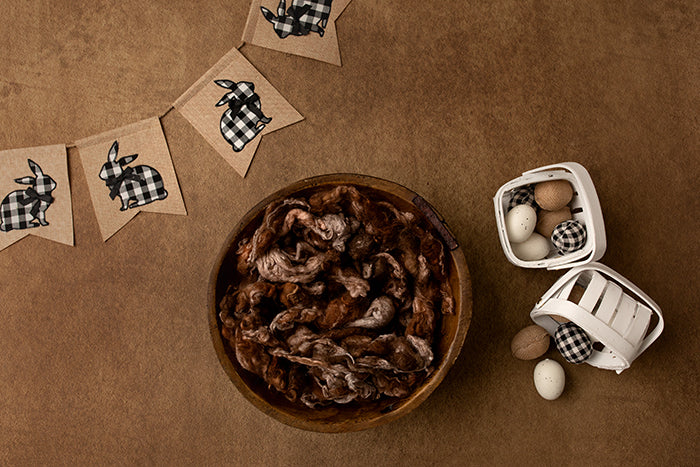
35	194
120	186
233	106
299	27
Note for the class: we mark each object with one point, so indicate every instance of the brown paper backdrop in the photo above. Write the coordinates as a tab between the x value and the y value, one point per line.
106	356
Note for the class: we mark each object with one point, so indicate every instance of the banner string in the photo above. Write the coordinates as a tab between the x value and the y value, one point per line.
170	109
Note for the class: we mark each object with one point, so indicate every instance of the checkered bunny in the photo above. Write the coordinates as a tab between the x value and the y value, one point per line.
135	186
21	208
239	123
301	18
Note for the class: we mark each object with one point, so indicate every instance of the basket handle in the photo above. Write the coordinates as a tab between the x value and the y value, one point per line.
592	325
653	335
573	167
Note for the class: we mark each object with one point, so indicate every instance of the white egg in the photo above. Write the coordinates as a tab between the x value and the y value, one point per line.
534	248
549	379
520	223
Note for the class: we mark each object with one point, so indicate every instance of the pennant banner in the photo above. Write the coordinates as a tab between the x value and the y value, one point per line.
299	27
233	106
35	194
129	170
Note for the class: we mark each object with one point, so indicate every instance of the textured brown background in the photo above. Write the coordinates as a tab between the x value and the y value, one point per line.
105	355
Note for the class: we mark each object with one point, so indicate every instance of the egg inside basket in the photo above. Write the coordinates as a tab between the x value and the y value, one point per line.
339	303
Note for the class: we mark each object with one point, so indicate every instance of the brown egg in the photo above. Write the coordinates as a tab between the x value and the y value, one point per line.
554	194
530	343
547	220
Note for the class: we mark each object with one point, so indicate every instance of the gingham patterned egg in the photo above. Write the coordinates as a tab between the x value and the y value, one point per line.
523	195
573	343
569	236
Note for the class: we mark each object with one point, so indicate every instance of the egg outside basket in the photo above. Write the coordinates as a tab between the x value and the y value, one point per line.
613	311
585	208
343	418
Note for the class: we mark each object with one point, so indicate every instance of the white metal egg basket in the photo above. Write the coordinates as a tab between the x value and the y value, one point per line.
613	311
585	208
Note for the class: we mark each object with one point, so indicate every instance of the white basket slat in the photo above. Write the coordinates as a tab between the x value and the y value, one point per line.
612	296
640	324
594	290
624	315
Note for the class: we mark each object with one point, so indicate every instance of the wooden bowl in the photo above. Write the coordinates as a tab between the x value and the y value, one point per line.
353	416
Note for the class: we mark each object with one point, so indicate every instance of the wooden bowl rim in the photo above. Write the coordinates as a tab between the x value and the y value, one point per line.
320	425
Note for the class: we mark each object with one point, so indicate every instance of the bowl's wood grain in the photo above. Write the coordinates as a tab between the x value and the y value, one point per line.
350	417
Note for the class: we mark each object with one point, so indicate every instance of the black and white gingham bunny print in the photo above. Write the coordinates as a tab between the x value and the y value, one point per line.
301	18
21	208
239	123
135	186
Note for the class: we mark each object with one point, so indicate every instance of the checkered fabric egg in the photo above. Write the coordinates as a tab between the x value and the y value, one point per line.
573	343
522	195
569	236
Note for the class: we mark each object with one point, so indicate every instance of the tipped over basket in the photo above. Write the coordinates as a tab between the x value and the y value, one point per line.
449	336
615	313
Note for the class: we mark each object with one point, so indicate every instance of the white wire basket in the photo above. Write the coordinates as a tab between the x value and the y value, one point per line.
584	205
613	311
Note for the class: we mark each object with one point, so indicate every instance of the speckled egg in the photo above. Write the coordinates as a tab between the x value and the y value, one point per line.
520	223
549	379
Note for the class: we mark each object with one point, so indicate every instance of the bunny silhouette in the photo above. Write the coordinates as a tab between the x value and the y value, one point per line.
302	17
239	123
141	184
21	208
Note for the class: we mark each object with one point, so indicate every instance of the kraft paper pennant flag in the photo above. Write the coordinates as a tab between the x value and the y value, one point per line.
35	194
233	106
300	27
129	170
